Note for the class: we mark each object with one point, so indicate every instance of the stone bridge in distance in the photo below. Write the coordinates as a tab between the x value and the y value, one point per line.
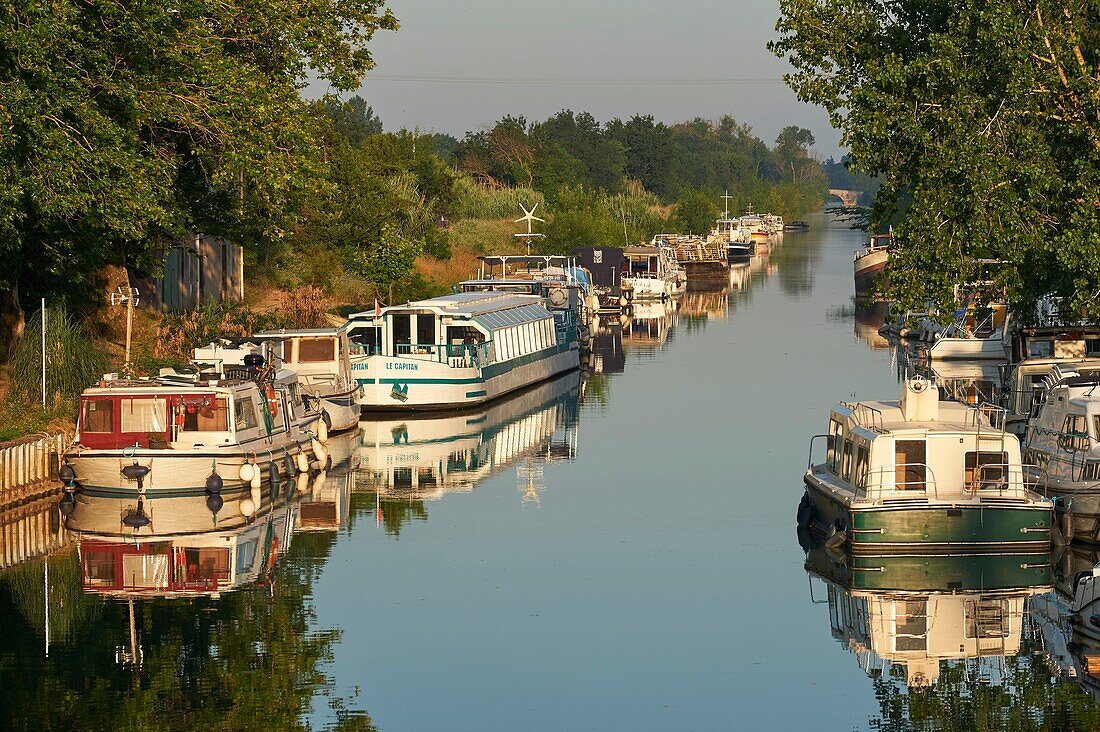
847	198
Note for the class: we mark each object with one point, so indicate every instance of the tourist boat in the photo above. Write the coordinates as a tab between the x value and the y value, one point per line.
460	350
922	613
870	263
651	273
922	474
427	456
1063	444
321	357
183	433
1027	383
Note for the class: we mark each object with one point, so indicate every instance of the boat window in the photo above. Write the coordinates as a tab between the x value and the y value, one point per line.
862	459
98	416
985	470
205	566
911	473
202	418
1096	434
833	449
1075	434
144	415
246	555
401	328
425	329
245	411
99	569
365	340
846	468
316	350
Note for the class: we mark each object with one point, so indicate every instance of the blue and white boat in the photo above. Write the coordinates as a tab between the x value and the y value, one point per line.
458	351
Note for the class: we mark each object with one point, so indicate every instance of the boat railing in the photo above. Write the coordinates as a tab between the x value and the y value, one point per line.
810	456
1081	464
874	485
866	416
1002	479
456	355
995	417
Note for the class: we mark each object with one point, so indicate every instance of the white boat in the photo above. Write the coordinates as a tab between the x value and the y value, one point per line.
754	229
651	273
181	433
558	280
320	357
869	263
1063	444
727	232
1027	383
978	329
459	350
922	474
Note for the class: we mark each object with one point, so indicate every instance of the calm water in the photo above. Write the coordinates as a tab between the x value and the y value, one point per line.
609	552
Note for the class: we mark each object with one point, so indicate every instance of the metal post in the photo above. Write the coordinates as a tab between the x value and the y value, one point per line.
129	328
43	353
46	599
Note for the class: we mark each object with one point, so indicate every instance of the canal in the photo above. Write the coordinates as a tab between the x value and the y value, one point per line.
612	551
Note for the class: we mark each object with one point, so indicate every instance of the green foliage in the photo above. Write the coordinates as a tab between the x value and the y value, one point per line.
694	212
123	124
353	120
587	217
475	201
73	361
981	118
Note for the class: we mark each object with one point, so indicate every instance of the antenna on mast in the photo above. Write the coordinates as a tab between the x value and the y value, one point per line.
530	218
727	198
129	297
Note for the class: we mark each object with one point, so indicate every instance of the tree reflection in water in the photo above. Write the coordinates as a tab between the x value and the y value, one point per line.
248	658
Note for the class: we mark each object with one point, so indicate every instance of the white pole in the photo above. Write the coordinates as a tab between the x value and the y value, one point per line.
46	599
43	353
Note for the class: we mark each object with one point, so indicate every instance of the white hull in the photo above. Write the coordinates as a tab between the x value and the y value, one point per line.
401	383
342	409
650	288
967	348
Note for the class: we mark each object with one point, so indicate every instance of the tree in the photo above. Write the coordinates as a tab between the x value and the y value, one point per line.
792	149
694	212
122	125
353	120
982	117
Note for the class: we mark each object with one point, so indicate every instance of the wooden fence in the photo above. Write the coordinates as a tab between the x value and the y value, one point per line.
28	466
31	530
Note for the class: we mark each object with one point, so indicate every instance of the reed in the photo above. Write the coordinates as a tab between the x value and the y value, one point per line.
73	362
475	201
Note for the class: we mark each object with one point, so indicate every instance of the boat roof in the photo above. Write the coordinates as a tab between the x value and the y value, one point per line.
642	250
953	417
468	304
178	383
334	330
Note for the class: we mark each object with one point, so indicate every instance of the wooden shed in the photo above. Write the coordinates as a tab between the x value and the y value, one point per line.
200	269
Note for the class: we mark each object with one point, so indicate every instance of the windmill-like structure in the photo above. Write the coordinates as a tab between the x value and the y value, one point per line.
530	218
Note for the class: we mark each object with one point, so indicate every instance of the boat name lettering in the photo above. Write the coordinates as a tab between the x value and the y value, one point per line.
403	366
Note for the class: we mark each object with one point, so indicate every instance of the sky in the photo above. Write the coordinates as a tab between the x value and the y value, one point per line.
459	65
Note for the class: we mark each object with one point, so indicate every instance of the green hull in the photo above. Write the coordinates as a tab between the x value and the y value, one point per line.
944	528
933	573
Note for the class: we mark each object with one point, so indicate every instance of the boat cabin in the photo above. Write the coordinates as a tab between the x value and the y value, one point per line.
320	356
464	329
643	261
921	448
1055	343
184	411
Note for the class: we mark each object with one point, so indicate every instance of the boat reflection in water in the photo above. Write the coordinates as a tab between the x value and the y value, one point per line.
869	317
705	305
918	613
184	549
427	457
324	500
649	324
605	352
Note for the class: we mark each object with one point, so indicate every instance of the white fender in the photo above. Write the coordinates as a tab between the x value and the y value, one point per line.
248	470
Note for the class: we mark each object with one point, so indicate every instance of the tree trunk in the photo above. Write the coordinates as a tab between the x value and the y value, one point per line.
12	321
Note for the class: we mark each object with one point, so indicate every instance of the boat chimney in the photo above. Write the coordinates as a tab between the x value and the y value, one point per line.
920	400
